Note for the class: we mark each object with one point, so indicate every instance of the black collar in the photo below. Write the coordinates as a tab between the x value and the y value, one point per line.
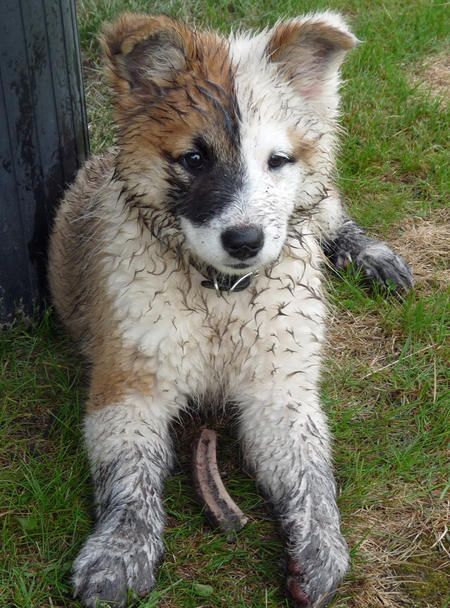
227	282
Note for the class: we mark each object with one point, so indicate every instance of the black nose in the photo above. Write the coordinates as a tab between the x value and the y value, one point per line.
243	242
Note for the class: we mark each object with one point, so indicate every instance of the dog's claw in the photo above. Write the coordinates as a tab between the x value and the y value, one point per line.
293	583
313	577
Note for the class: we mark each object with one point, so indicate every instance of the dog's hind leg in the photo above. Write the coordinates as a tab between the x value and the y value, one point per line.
130	454
286	444
344	243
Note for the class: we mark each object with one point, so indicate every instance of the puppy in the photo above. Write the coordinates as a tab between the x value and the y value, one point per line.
187	263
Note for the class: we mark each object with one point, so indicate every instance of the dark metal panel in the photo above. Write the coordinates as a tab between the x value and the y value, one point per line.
43	138
14	277
18	101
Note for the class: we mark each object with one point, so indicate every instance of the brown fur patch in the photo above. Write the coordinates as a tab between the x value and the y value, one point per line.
76	310
87	315
304	149
170	106
112	379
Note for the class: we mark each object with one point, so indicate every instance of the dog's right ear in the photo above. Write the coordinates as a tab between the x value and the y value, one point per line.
144	53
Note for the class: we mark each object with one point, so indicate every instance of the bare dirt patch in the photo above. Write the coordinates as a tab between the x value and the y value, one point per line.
433	75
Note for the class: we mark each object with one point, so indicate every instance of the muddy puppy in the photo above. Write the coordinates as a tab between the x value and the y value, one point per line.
188	265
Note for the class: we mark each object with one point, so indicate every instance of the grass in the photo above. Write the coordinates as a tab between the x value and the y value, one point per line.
386	380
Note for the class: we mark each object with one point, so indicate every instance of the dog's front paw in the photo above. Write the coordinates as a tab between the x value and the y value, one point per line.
112	564
314	575
375	259
99	578
379	263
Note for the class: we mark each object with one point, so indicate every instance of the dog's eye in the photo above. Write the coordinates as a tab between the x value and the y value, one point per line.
193	161
276	161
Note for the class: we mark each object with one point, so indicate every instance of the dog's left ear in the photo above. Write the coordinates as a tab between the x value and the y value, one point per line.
309	52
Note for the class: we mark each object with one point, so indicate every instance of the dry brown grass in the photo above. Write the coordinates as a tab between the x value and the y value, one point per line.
402	554
432	76
425	243
360	339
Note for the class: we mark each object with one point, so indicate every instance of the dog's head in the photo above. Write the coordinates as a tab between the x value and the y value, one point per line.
231	136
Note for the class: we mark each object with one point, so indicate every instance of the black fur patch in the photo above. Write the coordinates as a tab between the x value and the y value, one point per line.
202	196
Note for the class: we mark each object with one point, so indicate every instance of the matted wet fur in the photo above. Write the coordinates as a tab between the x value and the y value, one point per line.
188	265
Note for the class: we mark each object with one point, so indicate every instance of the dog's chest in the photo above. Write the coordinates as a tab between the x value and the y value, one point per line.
200	340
